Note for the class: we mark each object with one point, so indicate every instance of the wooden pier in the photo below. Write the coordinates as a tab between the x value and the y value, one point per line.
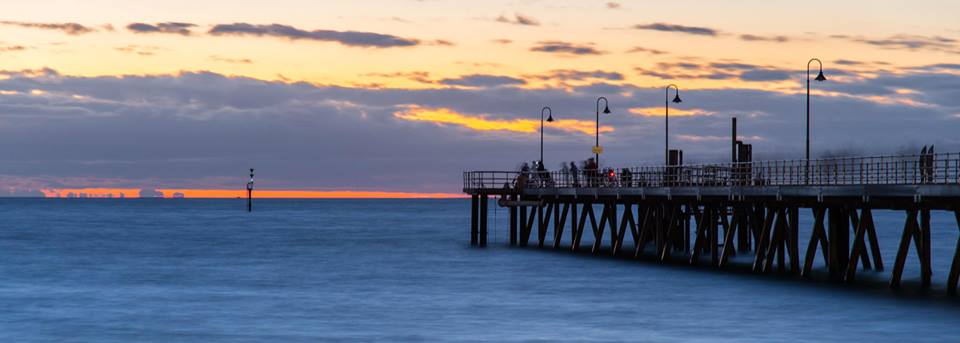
706	214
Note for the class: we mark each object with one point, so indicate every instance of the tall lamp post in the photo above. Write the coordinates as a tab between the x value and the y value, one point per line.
549	120
666	123
819	78
606	110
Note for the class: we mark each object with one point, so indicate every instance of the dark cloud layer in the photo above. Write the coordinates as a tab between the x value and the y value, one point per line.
168	27
68	28
205	129
566	48
348	38
693	30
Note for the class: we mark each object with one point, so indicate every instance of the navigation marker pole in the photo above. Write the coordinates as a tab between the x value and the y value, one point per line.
250	192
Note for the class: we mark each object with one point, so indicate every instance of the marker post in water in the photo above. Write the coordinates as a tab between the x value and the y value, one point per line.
250	192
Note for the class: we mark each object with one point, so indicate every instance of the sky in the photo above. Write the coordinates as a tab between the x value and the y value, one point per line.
398	98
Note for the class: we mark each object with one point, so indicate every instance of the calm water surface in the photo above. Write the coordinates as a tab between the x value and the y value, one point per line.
156	270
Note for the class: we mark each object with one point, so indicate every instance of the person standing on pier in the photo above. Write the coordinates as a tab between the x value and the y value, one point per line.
521	181
591	170
574	174
565	174
626	178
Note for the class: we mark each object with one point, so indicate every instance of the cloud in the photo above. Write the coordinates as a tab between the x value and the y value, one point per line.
637	49
502	41
418	76
613	5
713	138
68	28
445	116
567	75
141	50
348	38
12	48
219	58
953	66
760	75
203	130
693	30
849	62
518	19
908	42
441	42
657	111
717	71
479	80
566	48
773	39
168	27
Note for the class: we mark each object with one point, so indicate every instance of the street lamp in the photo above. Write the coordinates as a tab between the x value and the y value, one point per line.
666	124
819	78
606	110
549	120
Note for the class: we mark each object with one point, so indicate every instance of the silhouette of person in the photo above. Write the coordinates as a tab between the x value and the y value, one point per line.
575	174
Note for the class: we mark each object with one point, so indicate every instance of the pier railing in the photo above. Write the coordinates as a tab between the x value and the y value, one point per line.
871	170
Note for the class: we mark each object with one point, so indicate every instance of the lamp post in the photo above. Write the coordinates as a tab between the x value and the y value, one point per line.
819	78
606	110
666	123
549	120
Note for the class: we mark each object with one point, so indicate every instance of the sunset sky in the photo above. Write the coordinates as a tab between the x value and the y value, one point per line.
402	96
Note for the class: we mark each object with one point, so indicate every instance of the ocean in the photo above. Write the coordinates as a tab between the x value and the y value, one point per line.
192	270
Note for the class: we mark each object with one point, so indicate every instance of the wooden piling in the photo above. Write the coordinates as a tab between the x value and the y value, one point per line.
513	223
474	219
483	220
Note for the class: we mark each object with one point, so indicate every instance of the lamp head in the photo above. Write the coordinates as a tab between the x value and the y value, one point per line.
820	77
606	109
550	118
676	99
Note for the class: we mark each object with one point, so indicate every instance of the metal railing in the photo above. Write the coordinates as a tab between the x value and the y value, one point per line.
872	170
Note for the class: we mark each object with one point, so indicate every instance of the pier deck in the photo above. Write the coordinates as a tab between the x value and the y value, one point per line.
711	212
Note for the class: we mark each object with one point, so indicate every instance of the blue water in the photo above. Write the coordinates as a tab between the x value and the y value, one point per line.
156	270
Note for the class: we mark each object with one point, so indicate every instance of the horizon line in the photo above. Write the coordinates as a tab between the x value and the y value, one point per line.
175	193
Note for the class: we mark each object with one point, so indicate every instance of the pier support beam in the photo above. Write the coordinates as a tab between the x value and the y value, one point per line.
559	222
734	230
920	234
513	222
543	223
838	231
626	223
474	219
955	267
483	220
817	237
644	229
524	227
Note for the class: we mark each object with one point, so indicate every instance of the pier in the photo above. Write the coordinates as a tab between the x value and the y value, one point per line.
708	213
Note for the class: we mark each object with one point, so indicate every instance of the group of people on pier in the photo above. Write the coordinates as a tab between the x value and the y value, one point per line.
922	168
587	174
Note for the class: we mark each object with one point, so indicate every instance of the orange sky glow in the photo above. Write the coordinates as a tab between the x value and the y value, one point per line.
228	194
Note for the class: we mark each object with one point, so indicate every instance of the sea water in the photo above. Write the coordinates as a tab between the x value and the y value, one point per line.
190	270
